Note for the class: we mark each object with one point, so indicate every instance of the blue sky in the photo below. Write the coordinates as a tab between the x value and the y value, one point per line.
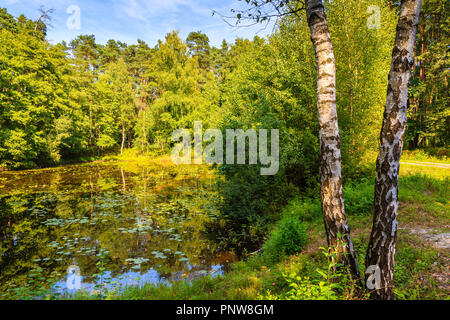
129	20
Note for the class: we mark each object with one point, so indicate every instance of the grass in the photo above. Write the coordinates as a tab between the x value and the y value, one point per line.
424	201
434	156
428	163
421	269
436	172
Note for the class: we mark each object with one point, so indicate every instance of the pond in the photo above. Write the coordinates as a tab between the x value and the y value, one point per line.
105	225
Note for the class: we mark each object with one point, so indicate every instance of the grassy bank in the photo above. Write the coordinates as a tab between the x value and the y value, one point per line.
422	266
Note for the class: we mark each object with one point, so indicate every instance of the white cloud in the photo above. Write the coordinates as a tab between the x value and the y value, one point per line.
143	10
149	20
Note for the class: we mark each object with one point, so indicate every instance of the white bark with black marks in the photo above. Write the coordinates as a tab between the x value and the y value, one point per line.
330	150
381	249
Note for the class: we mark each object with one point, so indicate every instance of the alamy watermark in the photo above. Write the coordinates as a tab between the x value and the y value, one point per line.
73	281
374	279
235	145
74	21
374	21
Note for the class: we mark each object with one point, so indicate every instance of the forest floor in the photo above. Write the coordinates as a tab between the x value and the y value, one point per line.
422	257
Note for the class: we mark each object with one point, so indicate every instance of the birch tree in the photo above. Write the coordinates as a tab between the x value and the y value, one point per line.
336	224
381	249
335	220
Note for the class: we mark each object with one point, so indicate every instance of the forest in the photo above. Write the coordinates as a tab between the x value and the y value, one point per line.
88	104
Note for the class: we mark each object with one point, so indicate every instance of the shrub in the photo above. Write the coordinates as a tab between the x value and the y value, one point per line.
289	237
333	283
249	205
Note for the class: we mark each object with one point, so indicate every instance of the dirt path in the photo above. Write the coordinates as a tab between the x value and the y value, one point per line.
427	164
432	236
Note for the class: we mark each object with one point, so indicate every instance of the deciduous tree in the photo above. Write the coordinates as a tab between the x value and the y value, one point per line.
381	249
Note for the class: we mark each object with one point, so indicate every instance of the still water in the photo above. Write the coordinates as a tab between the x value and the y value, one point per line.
105	225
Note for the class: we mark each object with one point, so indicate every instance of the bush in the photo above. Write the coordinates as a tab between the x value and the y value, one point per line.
289	237
329	283
249	206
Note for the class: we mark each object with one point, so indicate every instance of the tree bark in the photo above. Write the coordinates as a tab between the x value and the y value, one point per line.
336	225
381	249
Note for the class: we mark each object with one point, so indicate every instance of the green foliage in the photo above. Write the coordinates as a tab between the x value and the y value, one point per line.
198	45
7	21
303	288
359	198
436	155
333	283
306	275
362	65
412	268
116	108
428	111
416	188
34	99
250	203
272	84
289	237
61	102
58	102
180	93
258	93
304	209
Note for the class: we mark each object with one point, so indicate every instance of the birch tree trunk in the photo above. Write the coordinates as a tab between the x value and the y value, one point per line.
336	225
381	249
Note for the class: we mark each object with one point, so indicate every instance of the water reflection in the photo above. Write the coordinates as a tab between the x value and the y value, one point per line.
131	278
117	221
